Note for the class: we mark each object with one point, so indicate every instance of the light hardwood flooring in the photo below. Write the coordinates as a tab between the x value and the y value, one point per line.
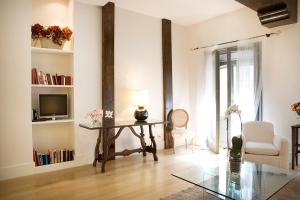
129	178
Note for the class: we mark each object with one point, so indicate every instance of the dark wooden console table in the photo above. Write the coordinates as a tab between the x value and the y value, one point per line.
295	145
107	140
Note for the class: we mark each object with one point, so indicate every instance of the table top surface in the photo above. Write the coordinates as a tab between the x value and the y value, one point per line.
255	181
296	126
119	124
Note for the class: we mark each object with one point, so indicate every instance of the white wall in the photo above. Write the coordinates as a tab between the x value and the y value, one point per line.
138	65
15	115
87	75
180	67
280	61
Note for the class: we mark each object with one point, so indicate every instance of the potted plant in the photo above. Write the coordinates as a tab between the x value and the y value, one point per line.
36	34
296	107
235	155
52	36
232	109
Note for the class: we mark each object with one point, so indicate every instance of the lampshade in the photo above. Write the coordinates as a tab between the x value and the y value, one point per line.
140	97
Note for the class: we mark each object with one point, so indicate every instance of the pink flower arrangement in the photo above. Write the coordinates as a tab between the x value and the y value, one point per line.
95	115
296	107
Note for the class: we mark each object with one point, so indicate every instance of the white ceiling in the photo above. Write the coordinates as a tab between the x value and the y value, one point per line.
184	12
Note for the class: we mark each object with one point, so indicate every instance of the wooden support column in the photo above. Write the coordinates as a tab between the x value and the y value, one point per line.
108	99
167	80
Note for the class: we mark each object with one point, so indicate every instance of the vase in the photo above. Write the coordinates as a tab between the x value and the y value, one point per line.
35	42
95	123
48	43
235	166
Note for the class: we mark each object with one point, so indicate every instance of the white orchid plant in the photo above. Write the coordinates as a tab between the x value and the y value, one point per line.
233	109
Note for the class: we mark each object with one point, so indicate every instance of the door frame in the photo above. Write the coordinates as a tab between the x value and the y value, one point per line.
228	51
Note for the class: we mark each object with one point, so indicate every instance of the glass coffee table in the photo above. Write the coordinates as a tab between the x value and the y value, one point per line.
254	181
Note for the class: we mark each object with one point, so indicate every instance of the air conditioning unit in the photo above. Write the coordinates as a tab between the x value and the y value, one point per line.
274	13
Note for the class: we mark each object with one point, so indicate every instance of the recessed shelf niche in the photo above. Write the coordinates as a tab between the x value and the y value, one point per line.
53	134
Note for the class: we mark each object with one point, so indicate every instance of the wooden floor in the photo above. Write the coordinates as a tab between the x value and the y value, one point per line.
133	177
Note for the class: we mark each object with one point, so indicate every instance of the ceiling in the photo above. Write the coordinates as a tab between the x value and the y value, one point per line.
184	12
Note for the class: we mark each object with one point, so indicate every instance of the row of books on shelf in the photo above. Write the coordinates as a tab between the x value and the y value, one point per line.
52	156
41	78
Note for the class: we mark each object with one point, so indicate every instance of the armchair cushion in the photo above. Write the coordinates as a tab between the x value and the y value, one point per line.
257	131
261	148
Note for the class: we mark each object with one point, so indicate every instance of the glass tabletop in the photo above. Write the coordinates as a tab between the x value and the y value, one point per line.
254	182
118	124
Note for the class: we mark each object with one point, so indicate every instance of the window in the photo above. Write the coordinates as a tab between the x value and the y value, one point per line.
238	81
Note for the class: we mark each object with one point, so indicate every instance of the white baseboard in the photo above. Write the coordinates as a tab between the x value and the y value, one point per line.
25	169
13	171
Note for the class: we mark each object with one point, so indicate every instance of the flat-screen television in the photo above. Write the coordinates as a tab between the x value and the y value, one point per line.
53	106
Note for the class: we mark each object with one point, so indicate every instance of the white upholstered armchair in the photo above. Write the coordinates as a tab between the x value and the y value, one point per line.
261	145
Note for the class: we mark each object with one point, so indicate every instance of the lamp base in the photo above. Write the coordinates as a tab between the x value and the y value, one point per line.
141	114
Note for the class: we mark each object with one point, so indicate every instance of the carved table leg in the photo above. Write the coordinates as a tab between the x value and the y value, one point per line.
97	150
293	146
143	143
153	143
297	146
105	149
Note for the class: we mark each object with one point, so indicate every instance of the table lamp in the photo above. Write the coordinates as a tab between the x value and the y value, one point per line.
140	99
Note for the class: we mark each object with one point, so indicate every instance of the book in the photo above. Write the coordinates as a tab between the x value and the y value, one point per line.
40	159
68	80
48	79
46	159
68	155
36	78
52	156
43	159
35	157
53	79
58	80
64	156
32	76
58	156
42	78
45	79
39	77
61	155
71	155
62	80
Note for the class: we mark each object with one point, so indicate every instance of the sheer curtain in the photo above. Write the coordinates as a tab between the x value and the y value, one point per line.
206	101
247	84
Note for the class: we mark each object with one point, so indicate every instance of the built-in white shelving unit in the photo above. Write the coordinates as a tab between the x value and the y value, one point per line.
53	121
53	134
56	166
50	51
52	86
